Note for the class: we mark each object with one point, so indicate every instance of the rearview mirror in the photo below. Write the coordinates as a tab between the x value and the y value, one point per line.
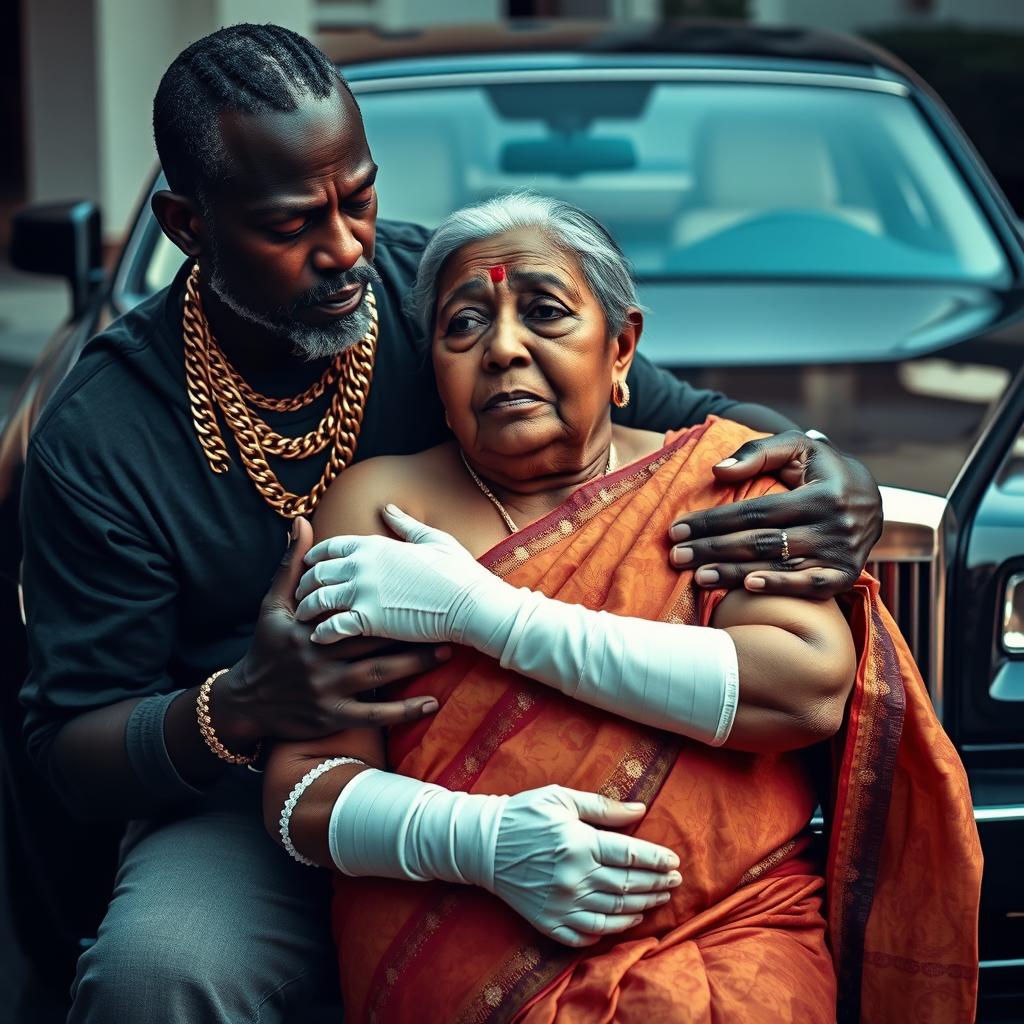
568	156
62	239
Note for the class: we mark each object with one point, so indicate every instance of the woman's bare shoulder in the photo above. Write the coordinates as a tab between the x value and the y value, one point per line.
632	443
353	502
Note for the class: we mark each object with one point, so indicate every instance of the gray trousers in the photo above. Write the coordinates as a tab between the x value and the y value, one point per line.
211	921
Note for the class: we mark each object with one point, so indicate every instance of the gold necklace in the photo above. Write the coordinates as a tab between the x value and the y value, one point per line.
210	378
610	465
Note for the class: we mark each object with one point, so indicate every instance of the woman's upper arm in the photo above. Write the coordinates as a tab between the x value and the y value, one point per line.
797	665
819	624
353	502
351	505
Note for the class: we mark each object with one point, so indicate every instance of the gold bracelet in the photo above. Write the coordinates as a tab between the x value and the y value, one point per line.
206	726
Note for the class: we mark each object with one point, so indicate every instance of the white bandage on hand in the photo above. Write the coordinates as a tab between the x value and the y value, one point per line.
681	678
684	679
534	850
392	826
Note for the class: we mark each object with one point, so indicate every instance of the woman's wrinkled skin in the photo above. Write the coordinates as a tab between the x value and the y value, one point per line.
525	364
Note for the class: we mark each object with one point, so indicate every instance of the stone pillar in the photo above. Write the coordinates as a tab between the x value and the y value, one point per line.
61	114
92	68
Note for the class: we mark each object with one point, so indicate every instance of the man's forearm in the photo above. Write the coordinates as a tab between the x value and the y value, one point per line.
760	417
113	763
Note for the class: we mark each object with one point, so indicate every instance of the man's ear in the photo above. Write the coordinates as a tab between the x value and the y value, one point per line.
626	342
181	221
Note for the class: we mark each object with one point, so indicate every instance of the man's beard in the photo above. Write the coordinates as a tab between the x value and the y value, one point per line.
309	341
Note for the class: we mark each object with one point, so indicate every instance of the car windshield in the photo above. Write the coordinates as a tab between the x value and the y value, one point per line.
693	179
709	180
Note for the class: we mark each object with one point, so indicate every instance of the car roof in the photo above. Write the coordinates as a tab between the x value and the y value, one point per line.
365	54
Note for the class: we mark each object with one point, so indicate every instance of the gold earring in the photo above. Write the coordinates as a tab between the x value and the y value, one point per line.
620	394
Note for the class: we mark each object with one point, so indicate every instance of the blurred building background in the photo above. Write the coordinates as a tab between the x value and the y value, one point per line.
79	75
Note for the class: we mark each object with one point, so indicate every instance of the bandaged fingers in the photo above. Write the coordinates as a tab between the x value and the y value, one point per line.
334	597
622	903
339	626
630	881
569	937
584	926
589	922
622	851
326	573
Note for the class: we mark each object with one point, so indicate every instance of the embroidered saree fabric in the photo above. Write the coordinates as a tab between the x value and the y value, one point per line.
745	936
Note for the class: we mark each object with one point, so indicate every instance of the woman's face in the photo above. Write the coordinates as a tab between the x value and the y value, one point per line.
522	355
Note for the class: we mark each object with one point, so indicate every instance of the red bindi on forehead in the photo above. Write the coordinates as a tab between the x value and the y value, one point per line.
497	273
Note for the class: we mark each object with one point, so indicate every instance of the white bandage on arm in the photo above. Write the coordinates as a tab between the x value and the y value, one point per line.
681	678
391	826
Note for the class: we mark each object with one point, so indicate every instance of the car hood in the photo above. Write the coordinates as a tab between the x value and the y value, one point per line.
901	375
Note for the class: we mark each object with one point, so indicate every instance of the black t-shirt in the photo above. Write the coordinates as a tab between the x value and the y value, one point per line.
143	570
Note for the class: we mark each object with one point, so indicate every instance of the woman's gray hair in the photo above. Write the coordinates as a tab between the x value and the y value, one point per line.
603	264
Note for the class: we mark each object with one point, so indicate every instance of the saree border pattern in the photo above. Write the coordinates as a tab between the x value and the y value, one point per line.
642	769
515	983
513	712
768	864
577	510
408	944
858	822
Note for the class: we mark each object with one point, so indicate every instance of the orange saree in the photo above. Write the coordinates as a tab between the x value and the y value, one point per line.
744	938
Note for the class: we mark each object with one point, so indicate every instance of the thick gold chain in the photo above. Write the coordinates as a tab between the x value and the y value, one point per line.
310	395
210	379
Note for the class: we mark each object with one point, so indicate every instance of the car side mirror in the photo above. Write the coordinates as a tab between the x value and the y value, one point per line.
62	239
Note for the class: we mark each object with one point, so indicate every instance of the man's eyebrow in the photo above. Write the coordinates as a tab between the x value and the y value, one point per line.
286	205
368	179
306	204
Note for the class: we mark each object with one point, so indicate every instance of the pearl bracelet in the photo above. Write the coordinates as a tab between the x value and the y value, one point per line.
293	798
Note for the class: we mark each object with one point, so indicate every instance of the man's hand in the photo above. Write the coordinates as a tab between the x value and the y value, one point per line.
290	688
831	520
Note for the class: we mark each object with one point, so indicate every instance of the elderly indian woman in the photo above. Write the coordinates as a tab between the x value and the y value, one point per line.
608	816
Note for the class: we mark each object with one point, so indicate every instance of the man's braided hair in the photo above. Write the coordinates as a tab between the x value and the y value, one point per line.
249	68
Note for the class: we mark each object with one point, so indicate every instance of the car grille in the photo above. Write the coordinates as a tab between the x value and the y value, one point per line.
907	562
905	587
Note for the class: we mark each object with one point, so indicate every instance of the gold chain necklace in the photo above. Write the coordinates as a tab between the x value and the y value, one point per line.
610	465
210	379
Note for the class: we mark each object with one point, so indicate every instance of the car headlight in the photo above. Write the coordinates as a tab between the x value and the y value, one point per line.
1013	615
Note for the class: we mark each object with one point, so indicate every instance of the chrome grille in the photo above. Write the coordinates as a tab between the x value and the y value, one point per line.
905	588
908	563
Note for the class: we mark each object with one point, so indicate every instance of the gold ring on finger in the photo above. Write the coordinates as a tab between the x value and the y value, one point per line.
784	554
